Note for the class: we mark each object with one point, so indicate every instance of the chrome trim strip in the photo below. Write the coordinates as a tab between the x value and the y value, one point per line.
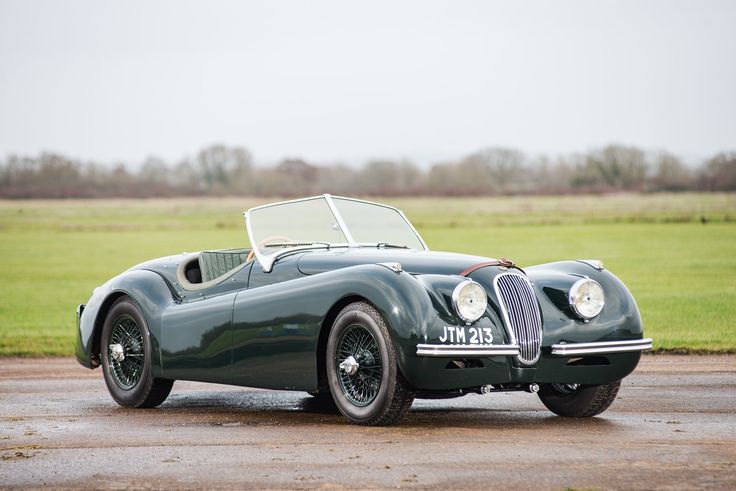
340	222
593	263
577	349
467	350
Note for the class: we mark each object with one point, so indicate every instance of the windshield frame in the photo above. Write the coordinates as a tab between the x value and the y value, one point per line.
267	260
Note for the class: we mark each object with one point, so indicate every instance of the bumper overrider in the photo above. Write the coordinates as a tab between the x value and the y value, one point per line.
560	349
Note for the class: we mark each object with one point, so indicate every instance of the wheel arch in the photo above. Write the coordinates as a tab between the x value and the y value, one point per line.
403	302
146	289
107	303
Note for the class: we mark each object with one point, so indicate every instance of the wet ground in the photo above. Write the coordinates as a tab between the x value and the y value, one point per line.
672	427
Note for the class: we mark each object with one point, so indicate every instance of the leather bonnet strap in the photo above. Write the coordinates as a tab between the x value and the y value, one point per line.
503	262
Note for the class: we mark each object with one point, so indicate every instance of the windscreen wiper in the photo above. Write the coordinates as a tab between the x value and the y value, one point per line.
296	244
386	245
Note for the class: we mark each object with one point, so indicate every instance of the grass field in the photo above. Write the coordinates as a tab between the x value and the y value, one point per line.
676	253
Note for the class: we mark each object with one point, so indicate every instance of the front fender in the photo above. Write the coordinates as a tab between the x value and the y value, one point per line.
416	308
282	325
619	319
147	289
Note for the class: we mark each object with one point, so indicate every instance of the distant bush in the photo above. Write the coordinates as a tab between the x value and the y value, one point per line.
222	170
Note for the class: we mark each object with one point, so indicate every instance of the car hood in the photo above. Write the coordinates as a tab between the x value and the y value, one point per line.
415	262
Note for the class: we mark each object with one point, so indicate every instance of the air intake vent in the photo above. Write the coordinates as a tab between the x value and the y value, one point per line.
521	314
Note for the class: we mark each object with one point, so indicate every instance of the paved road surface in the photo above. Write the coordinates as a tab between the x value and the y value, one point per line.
672	427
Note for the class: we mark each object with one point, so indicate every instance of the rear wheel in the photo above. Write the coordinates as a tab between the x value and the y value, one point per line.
362	373
578	401
127	358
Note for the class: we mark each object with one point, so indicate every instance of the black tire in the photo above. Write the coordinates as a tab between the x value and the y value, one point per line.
375	394
578	401
130	381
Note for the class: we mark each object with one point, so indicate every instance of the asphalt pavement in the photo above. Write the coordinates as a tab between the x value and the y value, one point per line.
673	426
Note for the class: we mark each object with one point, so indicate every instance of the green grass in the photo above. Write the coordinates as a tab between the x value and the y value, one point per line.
682	272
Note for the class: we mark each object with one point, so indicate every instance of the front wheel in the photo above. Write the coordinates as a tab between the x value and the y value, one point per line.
127	358
362	373
578	401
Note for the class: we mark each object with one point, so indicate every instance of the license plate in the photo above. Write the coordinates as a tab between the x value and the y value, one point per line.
467	335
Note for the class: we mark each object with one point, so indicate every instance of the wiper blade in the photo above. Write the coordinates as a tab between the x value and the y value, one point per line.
295	244
386	245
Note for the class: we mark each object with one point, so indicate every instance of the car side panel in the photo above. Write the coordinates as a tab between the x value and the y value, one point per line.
197	340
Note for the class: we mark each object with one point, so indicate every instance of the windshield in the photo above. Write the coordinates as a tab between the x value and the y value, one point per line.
325	221
371	223
303	222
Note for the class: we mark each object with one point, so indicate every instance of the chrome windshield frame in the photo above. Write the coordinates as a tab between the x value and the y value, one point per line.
267	260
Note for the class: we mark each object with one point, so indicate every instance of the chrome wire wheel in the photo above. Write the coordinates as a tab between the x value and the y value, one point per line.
358	364
125	352
361	368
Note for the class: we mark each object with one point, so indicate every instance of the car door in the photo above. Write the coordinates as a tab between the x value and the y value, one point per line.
275	330
197	332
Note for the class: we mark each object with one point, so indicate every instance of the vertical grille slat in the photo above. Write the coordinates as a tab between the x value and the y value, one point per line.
521	314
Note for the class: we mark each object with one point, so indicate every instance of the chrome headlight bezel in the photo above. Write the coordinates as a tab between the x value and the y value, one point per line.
457	297
576	307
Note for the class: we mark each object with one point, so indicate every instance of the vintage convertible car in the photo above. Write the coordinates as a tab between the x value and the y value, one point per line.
341	298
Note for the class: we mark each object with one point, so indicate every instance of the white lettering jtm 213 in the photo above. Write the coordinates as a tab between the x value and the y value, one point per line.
474	335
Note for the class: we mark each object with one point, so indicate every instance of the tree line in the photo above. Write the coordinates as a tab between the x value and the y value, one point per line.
223	170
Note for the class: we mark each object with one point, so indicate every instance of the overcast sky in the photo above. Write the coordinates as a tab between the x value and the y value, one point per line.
346	81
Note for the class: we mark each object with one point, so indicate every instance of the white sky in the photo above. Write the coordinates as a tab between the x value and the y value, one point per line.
346	81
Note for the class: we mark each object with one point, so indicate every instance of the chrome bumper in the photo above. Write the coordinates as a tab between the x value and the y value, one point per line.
581	349
468	350
561	349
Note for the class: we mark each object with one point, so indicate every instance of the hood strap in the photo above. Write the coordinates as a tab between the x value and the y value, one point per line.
503	262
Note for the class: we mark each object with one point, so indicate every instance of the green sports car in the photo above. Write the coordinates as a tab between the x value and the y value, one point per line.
341	298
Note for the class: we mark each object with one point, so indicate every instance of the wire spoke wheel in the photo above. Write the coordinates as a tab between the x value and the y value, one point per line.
126	352
359	384
361	367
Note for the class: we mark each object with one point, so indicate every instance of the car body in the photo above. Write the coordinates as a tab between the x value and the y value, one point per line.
342	298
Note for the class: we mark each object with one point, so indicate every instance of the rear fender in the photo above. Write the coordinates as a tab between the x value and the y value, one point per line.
147	289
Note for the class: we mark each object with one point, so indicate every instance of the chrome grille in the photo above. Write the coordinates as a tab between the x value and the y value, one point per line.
521	314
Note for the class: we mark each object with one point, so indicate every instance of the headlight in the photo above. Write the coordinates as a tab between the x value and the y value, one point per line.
587	298
470	301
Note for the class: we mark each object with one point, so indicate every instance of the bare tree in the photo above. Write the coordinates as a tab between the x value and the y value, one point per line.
670	174
613	167
719	173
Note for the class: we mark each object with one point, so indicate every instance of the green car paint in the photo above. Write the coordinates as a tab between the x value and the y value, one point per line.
269	329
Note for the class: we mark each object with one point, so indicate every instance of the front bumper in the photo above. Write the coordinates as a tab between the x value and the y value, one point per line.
431	367
453	350
561	349
602	348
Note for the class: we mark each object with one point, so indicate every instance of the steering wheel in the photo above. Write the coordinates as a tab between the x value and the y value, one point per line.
272	238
